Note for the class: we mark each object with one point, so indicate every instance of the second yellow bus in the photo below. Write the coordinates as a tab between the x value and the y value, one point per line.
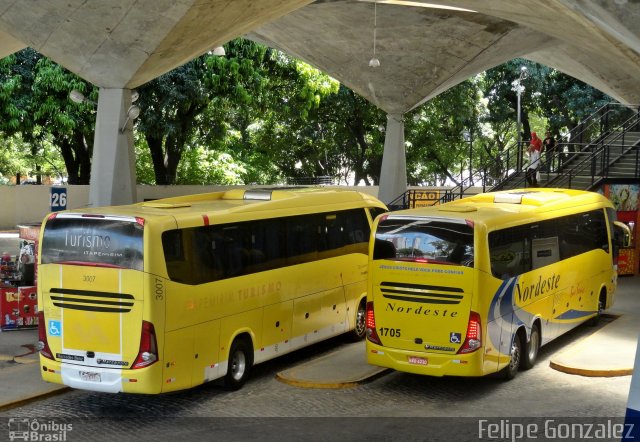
477	285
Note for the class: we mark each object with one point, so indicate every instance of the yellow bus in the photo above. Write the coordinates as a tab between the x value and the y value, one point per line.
168	294
477	285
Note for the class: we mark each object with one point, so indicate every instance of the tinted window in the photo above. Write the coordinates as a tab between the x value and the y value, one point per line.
209	253
440	241
510	251
520	249
375	211
108	242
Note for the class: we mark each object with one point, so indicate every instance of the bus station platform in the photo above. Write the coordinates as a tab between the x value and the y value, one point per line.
608	351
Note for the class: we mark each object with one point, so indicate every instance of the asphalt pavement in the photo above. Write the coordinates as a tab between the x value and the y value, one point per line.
608	351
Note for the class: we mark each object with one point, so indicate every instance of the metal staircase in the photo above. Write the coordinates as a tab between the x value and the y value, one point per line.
603	147
613	156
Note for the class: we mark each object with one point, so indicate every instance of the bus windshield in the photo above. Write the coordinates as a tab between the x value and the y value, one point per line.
428	240
107	241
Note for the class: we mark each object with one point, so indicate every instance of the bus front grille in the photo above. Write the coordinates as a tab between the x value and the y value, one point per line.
426	294
85	300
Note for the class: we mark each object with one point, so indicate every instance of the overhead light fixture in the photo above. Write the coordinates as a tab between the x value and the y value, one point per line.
132	113
77	97
219	51
374	62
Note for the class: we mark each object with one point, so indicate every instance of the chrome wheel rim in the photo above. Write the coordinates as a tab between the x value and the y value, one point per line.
361	321
238	365
533	344
515	356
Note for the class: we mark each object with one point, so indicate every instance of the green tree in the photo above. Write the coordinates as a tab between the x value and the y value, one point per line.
276	129
34	103
187	106
437	149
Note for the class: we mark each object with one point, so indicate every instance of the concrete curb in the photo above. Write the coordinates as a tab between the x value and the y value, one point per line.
331	385
601	350
32	398
345	367
591	373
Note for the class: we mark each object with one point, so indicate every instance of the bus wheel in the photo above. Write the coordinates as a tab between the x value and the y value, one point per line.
240	361
531	355
511	370
361	322
601	303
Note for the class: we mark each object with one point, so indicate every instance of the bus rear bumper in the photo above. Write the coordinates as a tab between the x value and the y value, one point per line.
425	363
106	380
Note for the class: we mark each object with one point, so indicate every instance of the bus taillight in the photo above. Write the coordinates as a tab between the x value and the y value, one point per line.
148	353
43	343
473	340
372	335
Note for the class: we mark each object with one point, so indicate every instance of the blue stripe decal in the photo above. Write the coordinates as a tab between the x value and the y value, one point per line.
500	312
575	314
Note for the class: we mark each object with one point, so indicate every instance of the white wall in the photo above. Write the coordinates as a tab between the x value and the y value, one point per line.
30	204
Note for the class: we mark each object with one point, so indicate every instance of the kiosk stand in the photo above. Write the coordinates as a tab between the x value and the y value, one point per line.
18	293
626	199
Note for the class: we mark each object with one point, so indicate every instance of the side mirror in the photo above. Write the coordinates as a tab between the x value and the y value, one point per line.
622	234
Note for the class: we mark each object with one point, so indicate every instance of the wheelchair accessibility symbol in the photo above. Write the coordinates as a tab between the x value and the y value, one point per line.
55	328
455	338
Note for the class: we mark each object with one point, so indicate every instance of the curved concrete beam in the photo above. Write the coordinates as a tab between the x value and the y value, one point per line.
422	51
9	45
125	43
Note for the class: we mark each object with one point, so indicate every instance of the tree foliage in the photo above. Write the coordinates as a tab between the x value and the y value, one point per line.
257	115
35	104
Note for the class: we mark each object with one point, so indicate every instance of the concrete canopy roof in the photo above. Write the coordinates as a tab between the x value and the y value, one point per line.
126	43
423	51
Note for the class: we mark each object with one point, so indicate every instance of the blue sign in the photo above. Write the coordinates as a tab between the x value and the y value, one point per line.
55	328
58	198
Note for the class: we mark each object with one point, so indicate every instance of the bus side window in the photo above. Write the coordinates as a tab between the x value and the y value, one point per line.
510	252
232	255
174	256
302	239
581	233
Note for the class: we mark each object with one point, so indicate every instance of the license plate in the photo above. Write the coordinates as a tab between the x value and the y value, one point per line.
89	376
417	360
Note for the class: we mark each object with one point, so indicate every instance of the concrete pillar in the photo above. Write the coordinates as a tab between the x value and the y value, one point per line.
393	174
113	171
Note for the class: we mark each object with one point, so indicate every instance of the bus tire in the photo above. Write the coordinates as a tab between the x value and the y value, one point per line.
357	334
530	356
511	370
240	362
594	321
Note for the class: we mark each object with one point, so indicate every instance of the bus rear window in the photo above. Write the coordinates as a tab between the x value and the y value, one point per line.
105	241
428	240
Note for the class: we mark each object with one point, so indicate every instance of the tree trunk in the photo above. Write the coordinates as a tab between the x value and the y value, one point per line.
70	162
157	157
83	151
